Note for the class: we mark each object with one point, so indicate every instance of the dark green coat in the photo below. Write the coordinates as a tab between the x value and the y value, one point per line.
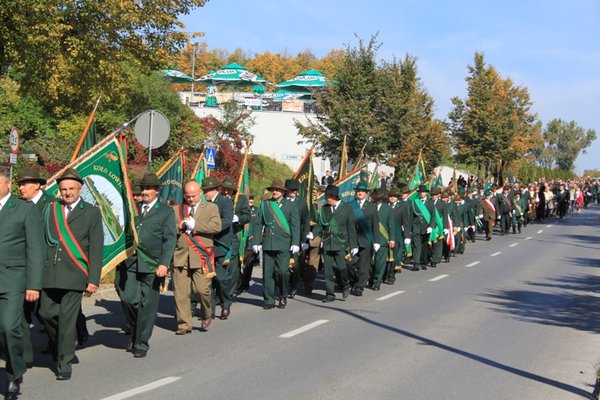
386	219
369	226
224	239
157	235
42	202
85	221
303	215
274	237
242	210
22	247
419	223
345	222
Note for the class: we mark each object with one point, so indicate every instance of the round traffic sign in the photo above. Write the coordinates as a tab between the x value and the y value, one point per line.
13	140
152	129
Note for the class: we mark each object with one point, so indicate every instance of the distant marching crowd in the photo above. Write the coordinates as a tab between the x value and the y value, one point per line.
52	249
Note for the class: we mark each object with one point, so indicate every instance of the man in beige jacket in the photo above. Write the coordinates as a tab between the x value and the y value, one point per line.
193	263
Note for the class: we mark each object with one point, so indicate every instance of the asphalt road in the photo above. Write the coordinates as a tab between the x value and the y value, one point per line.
513	318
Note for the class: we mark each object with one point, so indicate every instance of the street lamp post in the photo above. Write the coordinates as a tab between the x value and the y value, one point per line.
194	46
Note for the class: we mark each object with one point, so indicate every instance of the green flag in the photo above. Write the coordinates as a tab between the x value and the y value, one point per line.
200	170
419	175
306	176
171	179
107	187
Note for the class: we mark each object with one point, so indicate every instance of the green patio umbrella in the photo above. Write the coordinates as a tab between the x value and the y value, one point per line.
176	76
283	94
306	81
233	75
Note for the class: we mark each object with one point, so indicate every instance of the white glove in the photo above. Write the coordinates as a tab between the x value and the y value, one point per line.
235	219
376	247
310	236
445	231
429	230
406	241
189	223
458	229
473	227
354	251
256	249
480	216
294	249
499	216
304	246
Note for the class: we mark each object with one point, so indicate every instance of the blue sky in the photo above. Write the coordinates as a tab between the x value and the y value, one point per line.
551	47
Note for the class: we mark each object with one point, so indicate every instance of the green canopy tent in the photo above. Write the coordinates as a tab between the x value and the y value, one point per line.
176	76
306	81
234	75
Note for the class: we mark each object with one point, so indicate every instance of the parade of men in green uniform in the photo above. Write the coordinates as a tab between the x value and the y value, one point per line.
280	226
336	226
291	195
21	270
140	277
30	183
389	238
74	240
367	231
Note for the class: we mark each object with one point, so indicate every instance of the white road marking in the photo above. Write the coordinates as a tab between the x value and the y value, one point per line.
514	244
387	296
540	231
495	254
548	226
144	388
528	238
472	264
303	329
437	278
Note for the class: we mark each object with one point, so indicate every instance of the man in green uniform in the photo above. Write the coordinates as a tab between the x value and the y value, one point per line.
241	217
279	223
21	268
30	188
437	247
140	277
223	248
423	224
75	242
367	231
291	188
336	226
249	258
389	238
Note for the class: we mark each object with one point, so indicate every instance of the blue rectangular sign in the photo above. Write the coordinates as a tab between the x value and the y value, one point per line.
211	158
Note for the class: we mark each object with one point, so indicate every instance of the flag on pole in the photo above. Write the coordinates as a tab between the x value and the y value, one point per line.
347	184
419	175
170	177
200	170
343	171
438	182
306	176
375	183
89	137
103	169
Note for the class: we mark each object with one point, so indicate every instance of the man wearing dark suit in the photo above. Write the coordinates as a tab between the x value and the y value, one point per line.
249	257
437	247
75	243
223	248
402	209
30	183
197	221
21	268
562	200
504	210
423	223
139	277
279	223
291	188
241	217
336	226
367	231
389	238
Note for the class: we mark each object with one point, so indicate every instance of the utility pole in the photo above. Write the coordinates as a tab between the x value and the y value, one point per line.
194	46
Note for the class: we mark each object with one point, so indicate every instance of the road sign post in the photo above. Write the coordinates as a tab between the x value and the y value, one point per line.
13	141
211	158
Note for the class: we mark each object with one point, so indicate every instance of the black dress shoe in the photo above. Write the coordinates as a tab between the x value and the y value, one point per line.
424	267
357	292
139	353
225	313
346	292
13	388
63	376
328	299
129	347
29	365
292	293
268	306
282	303
375	288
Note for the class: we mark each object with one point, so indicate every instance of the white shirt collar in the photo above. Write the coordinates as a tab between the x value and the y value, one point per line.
150	205
37	197
74	204
4	200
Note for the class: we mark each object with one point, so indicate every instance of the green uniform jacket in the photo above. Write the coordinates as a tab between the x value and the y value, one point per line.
224	239
22	247
242	210
504	203
419	223
369	212
386	218
41	204
85	221
344	220
404	218
157	236
303	215
274	237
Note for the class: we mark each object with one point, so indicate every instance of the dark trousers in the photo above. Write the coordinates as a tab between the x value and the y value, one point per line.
220	285
334	264
11	334
505	223
437	250
276	275
420	243
140	295
29	309
234	268
379	267
360	270
59	309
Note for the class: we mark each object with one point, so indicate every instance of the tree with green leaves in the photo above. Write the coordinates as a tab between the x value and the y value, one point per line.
565	141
